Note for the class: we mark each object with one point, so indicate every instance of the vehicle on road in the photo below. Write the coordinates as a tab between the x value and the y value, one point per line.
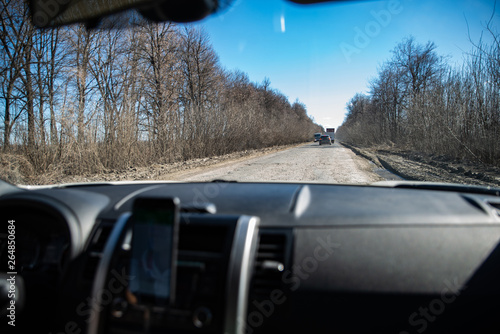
325	139
317	137
331	133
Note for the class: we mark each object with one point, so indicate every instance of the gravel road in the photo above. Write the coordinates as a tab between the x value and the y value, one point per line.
306	163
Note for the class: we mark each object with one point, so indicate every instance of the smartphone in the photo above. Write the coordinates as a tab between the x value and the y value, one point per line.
155	234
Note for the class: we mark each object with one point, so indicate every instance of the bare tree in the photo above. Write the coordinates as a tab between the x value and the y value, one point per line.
87	100
200	83
161	80
13	38
83	49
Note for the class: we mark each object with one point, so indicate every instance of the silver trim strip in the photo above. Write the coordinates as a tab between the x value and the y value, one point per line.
133	194
103	269
238	276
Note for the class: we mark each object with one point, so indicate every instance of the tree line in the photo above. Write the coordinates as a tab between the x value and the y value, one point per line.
84	101
419	102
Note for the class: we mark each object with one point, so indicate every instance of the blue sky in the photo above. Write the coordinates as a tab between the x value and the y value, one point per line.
323	54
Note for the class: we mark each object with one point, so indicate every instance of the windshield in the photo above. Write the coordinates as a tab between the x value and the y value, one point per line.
405	90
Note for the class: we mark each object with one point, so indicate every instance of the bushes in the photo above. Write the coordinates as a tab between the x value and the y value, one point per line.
420	103
111	99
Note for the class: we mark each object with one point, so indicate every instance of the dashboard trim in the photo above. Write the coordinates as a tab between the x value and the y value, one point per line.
102	269
239	270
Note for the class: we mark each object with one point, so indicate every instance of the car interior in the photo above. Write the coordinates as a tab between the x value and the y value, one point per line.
259	257
232	257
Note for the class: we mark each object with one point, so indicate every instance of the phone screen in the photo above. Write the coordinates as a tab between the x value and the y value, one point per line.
154	249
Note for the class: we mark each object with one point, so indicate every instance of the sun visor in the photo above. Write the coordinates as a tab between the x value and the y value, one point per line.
53	13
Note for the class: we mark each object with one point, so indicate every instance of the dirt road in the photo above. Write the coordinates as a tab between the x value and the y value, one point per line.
300	163
306	163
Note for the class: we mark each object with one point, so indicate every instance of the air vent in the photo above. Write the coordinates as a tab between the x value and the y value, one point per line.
270	263
96	248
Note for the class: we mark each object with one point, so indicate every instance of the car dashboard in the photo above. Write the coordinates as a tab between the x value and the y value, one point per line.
256	258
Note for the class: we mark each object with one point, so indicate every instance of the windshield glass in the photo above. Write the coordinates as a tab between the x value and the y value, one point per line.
405	90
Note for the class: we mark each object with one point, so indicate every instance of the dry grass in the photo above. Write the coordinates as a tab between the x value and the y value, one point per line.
78	167
15	168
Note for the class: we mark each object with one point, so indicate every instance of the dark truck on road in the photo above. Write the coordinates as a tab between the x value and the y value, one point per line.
331	133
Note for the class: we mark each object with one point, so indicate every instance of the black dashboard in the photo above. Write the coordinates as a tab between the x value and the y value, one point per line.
256	258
